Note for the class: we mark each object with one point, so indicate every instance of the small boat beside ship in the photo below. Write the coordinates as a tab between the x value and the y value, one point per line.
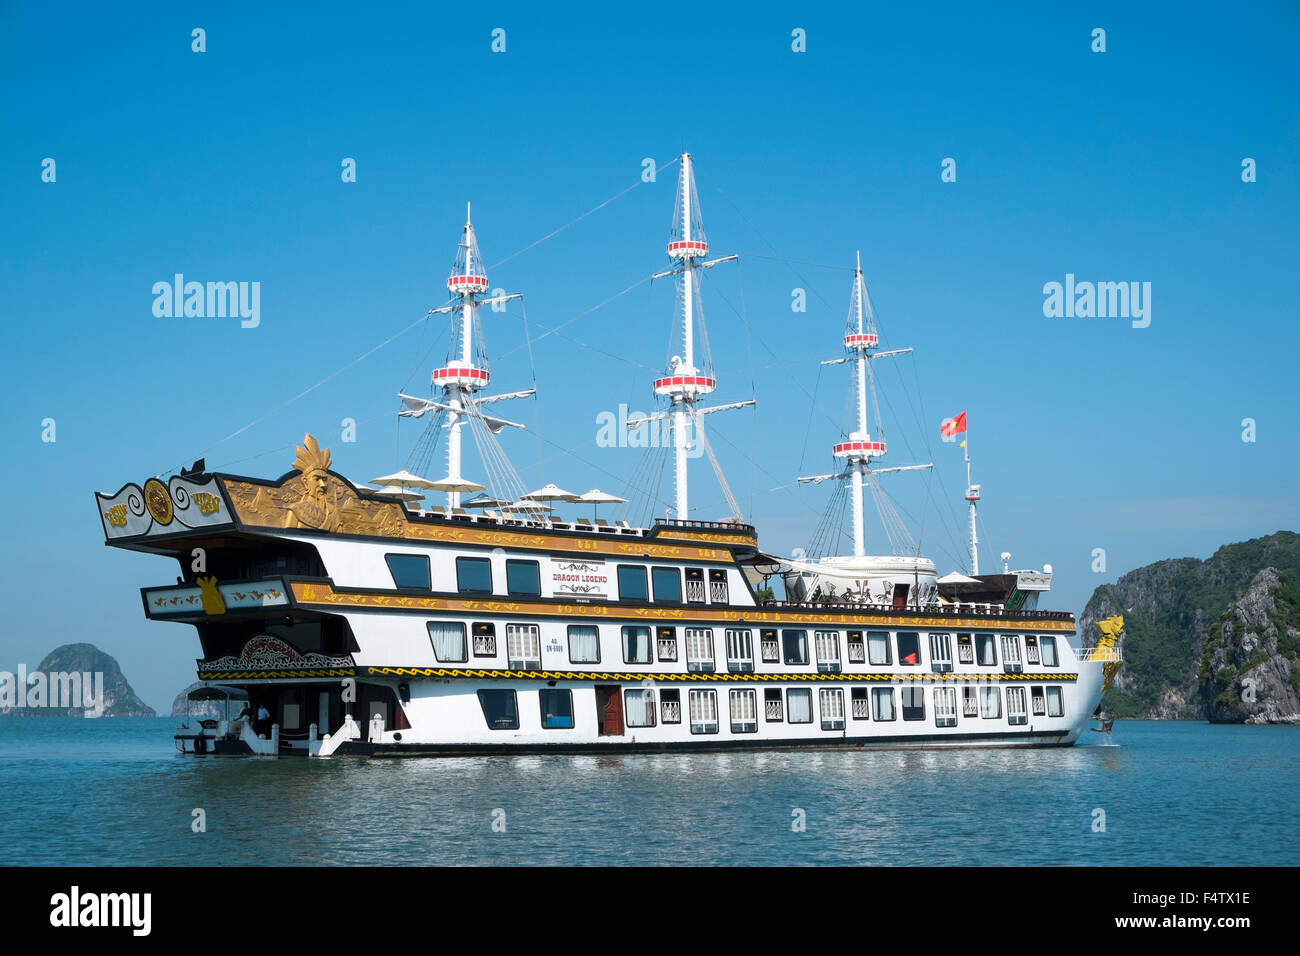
350	622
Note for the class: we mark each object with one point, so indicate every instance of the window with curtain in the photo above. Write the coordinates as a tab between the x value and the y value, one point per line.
1048	647
795	646
878	648
409	570
639	703
990	702
584	644
632	583
474	575
740	649
913	703
636	645
523	579
798	705
699	649
831	700
1055	703
945	707
703	706
1016	706
448	638
557	708
828	651
744	711
882	703
524	647
668	585
986	654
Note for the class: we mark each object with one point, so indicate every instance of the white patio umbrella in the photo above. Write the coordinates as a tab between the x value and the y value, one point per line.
486	501
598	498
398	492
404	479
550	492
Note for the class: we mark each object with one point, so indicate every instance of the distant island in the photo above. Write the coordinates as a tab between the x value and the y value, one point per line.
1215	640
74	680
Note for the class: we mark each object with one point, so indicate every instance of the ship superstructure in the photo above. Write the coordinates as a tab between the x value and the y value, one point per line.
355	623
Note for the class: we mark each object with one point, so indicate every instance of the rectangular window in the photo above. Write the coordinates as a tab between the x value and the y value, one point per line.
668	585
965	650
485	640
523	579
941	653
718	587
1031	649
831	700
744	711
474	575
1011	653
524	647
666	643
913	703
878	648
448	638
909	648
557	708
695	592
970	701
772	703
798	704
636	644
857	648
1048	645
499	709
704	711
771	648
861	701
1037	703
670	703
740	650
945	707
882	703
990	702
632	583
986	653
640	705
794	645
409	570
828	651
699	649
1016	706
1055	703
584	644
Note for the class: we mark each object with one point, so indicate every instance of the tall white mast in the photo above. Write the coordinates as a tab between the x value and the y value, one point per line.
461	378
972	496
860	341
685	384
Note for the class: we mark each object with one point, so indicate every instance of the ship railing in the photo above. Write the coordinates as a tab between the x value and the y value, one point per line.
1097	652
943	610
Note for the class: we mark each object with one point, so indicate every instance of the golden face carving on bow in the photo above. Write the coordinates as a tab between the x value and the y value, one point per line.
317	507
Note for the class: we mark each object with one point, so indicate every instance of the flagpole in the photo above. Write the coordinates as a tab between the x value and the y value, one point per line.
972	496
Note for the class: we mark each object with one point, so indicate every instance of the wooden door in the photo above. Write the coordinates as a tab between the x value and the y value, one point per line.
609	703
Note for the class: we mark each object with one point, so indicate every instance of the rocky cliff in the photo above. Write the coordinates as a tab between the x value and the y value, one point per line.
74	680
1200	633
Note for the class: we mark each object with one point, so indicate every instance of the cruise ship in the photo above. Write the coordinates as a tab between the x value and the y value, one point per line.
348	620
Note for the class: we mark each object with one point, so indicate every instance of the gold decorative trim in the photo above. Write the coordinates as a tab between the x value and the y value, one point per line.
477	673
159	501
324	594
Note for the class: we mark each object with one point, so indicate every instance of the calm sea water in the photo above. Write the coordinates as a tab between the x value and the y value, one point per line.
110	792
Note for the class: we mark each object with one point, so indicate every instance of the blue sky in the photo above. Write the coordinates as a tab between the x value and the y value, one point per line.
225	165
